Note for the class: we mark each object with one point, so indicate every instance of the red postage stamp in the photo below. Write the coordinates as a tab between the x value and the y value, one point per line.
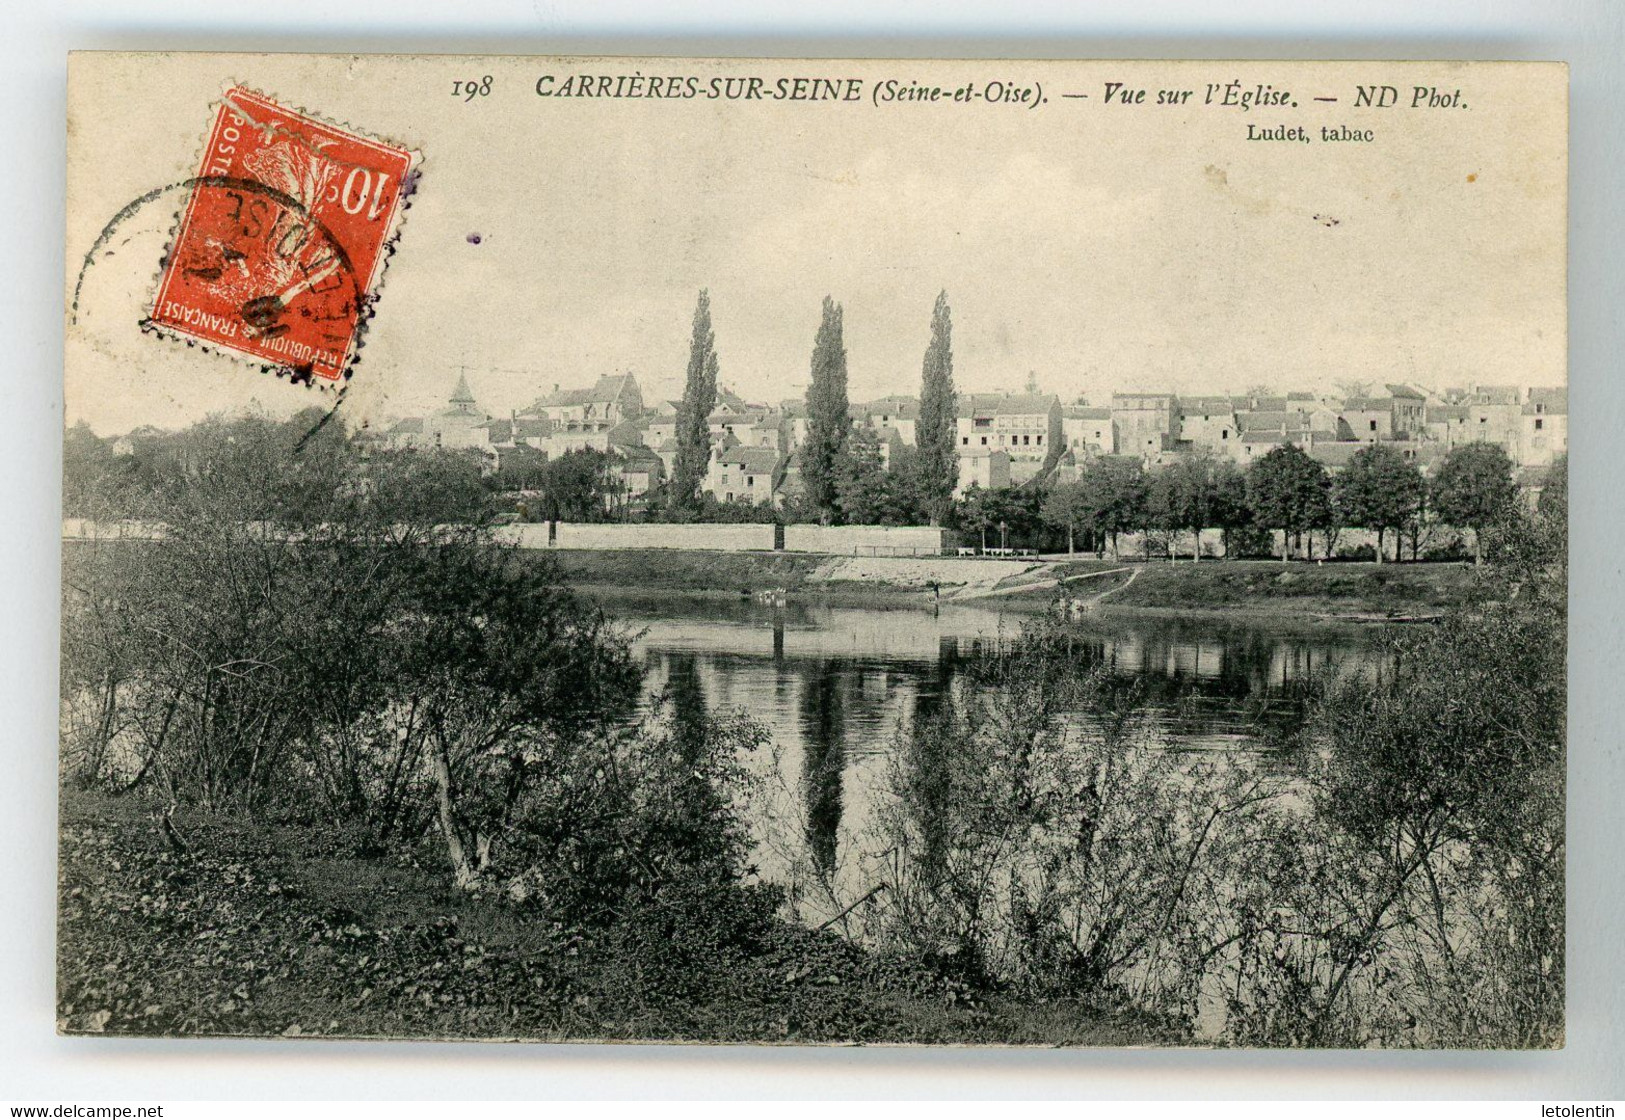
282	239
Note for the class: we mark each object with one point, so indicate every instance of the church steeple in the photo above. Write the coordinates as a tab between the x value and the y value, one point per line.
463	397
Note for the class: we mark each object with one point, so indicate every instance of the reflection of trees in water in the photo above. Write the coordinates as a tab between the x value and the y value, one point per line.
823	735
686	696
924	770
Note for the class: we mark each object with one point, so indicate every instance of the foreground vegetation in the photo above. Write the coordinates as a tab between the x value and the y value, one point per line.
299	928
331	767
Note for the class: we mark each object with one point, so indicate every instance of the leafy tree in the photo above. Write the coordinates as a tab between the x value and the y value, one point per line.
1230	509
519	468
1378	490
694	413
869	494
829	419
1289	491
1435	851
1113	497
1012	511
503	673
579	486
1554	496
1066	507
87	463
1159	513
938	425
428	487
1187	497
909	487
1017	511
863	492
1474	490
975	512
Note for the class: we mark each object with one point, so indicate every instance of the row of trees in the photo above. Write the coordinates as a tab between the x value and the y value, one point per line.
842	476
1285	490
845	479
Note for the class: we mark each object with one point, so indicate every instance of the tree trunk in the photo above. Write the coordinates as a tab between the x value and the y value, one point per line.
1069	548
464	871
1196	546
1478	547
1286	545
1379	544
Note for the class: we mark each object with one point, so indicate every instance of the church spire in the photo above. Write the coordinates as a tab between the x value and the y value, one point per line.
463	396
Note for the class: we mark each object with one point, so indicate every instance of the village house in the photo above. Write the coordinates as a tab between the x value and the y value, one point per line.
1408	411
1027	426
974	417
742	474
1208	422
984	466
1144	423
1446	424
1087	432
1493	419
640	470
1544	433
792	415
899	413
612	399
1366	419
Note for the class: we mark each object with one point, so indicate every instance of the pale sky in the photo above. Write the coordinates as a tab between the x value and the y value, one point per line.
1100	247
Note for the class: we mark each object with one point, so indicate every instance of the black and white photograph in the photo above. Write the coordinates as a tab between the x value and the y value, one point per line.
802	552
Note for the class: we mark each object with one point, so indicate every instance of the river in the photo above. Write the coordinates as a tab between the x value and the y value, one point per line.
833	686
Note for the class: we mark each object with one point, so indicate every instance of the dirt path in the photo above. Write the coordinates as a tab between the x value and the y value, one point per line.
1133	574
1047	583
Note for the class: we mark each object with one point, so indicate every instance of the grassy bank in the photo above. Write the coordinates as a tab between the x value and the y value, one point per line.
733	573
1343	589
291	930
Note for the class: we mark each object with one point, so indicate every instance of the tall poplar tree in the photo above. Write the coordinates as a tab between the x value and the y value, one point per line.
829	419
938	461
693	457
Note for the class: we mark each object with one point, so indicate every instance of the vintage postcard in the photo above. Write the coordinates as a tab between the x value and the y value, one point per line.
815	551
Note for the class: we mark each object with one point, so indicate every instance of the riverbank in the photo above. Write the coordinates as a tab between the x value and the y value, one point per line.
1335	591
290	929
1354	591
829	580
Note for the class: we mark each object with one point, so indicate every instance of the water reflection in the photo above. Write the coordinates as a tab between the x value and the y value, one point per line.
823	758
834	685
1208	681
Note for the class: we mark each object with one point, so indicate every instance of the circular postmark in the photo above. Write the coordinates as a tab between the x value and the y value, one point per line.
250	269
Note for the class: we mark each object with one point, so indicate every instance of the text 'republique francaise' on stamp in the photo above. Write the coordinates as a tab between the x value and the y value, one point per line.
283	238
